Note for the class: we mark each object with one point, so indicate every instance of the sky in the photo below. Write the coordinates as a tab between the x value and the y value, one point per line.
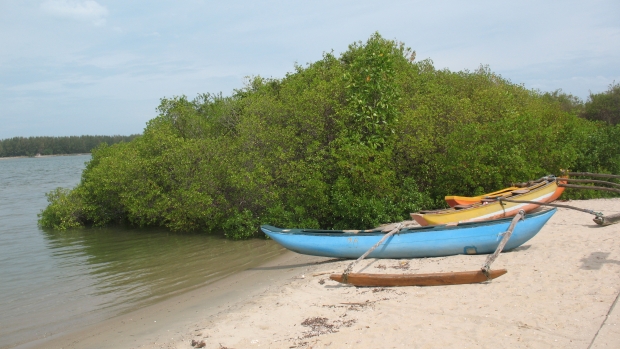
100	67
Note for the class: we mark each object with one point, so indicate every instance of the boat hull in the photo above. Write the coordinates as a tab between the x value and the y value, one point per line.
453	200
492	210
432	241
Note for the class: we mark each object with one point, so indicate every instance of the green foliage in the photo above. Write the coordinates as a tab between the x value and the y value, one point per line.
64	211
604	106
598	152
31	146
567	102
345	142
372	95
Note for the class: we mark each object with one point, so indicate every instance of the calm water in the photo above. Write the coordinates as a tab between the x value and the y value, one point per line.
52	281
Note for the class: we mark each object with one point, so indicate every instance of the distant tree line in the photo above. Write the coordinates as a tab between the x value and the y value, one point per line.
31	146
604	106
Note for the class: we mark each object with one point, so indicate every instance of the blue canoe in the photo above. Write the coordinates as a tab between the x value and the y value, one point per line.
416	242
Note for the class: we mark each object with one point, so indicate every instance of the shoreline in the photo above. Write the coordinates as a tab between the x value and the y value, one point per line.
148	325
561	291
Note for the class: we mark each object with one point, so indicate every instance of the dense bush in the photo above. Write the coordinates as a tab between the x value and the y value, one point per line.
345	142
604	106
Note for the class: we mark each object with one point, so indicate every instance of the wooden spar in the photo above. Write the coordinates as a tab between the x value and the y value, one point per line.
432	279
588	187
486	268
346	272
552	205
599	218
600	175
589	181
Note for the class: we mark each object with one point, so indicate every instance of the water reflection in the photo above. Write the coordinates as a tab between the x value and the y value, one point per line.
130	268
52	281
88	275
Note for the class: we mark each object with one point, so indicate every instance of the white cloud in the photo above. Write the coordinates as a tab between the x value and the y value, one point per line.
88	10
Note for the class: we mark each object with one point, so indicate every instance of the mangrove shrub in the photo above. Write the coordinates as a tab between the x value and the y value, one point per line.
345	142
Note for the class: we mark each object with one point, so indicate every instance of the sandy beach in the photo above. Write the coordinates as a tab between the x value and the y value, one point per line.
561	291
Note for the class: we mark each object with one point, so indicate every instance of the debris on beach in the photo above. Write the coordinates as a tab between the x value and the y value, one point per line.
402	265
197	344
321	325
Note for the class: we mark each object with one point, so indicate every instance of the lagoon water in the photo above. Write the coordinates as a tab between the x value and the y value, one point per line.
52	282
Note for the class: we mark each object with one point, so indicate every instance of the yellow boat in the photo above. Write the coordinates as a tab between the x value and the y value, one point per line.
454	200
489	208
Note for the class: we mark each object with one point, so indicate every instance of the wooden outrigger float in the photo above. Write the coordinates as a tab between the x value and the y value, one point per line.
434	279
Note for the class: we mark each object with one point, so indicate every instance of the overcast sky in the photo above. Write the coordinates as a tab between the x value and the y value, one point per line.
75	67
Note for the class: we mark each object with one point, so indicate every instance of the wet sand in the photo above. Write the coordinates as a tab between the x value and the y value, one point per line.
561	291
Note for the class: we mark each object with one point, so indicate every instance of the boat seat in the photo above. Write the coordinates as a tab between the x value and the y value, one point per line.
460	207
520	191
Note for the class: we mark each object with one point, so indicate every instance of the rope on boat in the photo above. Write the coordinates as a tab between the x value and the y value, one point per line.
486	267
345	274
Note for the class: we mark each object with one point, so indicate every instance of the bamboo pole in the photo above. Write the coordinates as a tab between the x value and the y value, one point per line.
601	175
591	187
346	272
588	181
552	205
599	218
486	267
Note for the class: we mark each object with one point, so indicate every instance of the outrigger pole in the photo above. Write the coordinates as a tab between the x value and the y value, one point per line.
431	279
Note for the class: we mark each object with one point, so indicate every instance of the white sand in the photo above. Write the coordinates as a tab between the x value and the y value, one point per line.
559	292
